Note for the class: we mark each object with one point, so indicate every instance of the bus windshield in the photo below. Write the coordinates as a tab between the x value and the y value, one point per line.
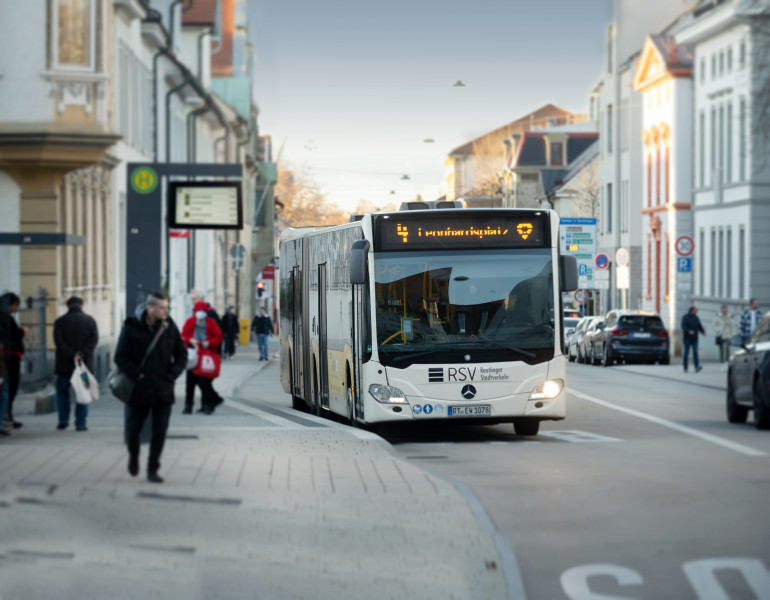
464	306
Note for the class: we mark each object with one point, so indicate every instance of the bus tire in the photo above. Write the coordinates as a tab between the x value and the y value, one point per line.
526	427
297	403
316	394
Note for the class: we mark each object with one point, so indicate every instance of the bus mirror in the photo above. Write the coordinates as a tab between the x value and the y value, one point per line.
359	266
569	273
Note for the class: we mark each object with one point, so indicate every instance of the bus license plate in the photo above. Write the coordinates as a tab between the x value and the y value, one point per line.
480	410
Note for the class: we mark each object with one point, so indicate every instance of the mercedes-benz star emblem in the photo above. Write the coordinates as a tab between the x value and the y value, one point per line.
469	392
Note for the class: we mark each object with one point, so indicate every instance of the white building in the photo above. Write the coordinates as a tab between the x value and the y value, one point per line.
730	149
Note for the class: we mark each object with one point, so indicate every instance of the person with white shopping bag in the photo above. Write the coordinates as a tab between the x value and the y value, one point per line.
200	332
76	337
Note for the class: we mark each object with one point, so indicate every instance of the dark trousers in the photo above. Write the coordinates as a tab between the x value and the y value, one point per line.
690	344
209	397
137	414
12	370
229	345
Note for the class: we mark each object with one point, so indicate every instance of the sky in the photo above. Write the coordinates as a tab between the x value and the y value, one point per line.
349	90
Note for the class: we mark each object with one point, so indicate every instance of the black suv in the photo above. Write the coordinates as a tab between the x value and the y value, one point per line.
631	335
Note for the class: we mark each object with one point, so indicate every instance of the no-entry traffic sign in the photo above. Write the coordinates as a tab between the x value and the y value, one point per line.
602	261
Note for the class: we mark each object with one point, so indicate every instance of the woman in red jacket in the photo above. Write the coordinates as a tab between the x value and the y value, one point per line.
201	331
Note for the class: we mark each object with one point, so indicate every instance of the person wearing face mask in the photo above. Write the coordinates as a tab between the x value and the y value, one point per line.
201	331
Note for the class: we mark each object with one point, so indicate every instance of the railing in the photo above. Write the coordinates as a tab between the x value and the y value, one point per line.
34	367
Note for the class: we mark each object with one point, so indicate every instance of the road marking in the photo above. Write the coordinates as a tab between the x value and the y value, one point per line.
261	414
578	437
740	448
574	581
703	579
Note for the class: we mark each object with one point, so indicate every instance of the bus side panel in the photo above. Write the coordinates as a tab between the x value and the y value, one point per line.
288	262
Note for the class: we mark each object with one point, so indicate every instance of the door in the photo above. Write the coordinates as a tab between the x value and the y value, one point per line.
358	349
296	332
323	367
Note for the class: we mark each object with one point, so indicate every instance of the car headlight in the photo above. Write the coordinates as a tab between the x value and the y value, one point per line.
547	390
386	394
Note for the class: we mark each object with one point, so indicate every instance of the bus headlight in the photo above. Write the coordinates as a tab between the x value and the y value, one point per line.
547	390
386	394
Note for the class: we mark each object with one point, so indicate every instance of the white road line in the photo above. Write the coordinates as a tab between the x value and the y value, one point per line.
261	414
671	425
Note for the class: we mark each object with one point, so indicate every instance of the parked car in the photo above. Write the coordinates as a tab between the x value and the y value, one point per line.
588	341
748	379
631	335
572	340
568	325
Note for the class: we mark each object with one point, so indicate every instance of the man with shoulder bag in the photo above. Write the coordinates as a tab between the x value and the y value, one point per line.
152	355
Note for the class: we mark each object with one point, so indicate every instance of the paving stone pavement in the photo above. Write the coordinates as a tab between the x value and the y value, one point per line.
259	502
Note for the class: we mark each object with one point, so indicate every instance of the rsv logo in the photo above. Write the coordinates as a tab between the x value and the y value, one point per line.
460	373
435	374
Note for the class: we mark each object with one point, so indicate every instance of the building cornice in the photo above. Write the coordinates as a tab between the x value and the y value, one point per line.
674	206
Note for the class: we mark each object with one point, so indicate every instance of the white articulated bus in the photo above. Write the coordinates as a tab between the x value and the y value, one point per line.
424	315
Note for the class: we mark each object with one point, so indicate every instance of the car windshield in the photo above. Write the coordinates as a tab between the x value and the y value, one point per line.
449	305
640	323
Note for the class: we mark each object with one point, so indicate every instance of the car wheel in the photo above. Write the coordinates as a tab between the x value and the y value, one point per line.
666	360
570	358
579	357
526	427
593	355
761	412
606	360
735	412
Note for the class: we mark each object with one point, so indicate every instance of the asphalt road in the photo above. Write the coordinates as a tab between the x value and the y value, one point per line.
644	491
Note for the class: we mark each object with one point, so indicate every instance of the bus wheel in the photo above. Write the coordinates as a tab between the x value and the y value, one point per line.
526	427
316	394
351	402
297	403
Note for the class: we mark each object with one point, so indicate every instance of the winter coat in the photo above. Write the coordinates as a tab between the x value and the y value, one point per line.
213	333
72	333
692	323
724	326
166	362
230	324
745	325
262	325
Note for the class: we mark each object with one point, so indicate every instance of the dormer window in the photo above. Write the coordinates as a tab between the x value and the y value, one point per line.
557	153
73	34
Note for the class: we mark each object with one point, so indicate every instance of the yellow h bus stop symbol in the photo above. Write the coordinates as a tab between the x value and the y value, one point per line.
144	180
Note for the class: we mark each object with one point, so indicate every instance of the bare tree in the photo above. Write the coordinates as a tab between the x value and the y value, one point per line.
302	204
585	187
486	163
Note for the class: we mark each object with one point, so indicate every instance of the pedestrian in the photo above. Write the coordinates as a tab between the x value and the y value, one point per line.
153	378
229	331
749	321
263	327
3	392
14	352
201	331
197	296
691	326
76	336
724	329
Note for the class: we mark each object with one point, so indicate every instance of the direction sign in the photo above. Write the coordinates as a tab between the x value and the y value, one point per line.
577	237
602	261
621	257
580	296
684	245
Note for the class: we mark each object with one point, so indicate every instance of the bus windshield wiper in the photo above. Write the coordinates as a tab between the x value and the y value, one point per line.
416	354
511	348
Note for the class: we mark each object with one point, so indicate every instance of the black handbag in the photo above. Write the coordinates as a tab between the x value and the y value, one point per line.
120	384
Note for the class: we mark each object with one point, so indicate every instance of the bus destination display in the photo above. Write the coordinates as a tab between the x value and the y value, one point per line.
205	205
467	230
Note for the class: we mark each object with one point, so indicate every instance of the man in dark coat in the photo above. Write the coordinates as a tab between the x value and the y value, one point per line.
154	389
76	336
691	326
14	349
263	327
229	331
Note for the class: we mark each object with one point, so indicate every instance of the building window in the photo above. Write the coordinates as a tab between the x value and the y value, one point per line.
701	262
713	67
609	128
742	151
657	176
742	55
73	34
742	262
713	264
721	279
609	208
713	142
557	152
720	142
702	70
668	265
649	180
667	197
702	150
729	144
730	59
721	63
649	268
729	263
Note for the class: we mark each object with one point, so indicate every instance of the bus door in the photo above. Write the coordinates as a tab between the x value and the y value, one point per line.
358	339
323	367
296	332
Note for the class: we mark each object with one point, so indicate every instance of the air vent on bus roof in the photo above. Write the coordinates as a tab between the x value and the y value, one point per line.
431	205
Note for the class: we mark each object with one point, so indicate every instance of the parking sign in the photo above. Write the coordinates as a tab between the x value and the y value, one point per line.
684	264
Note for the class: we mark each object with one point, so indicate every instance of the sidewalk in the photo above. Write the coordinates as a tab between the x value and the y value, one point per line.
713	375
260	501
